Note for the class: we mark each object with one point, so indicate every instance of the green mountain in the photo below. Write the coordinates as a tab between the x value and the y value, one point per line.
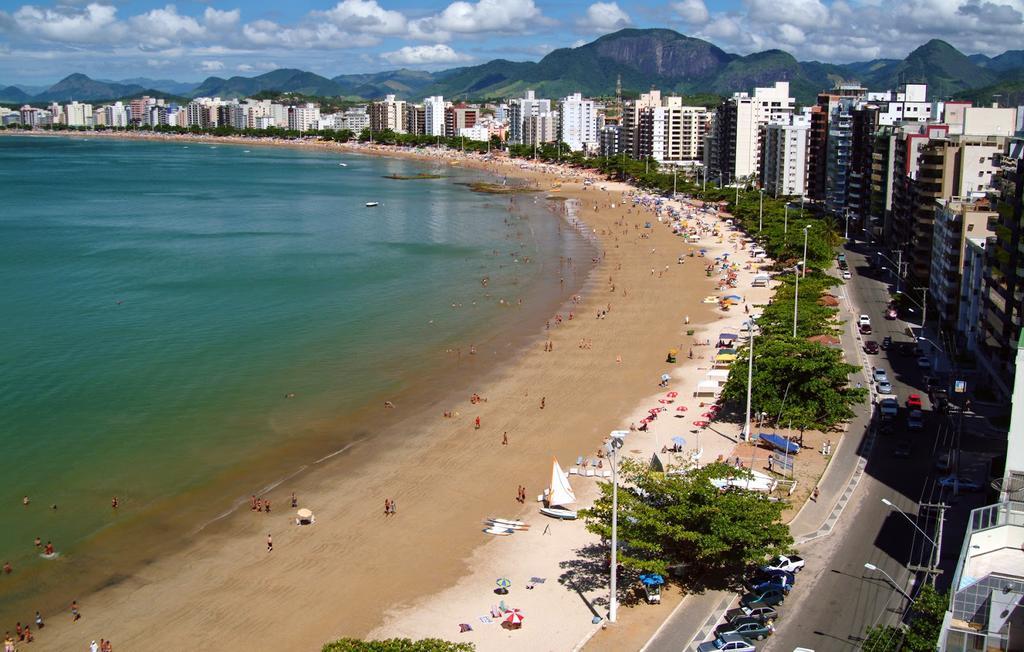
1009	60
82	88
404	83
287	80
1009	91
14	95
945	69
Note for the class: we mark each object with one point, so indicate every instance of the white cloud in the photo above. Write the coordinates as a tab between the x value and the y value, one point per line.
211	66
424	54
365	16
511	16
692	12
604	17
244	67
93	23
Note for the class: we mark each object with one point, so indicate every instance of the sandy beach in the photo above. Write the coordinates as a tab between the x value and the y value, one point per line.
429	567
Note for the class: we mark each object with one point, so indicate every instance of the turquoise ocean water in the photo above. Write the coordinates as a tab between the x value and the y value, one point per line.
159	300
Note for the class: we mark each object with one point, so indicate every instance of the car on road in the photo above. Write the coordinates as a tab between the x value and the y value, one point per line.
727	643
940	399
878	375
761	613
884	387
886	342
790	563
915	420
944	461
751	629
864	320
914	402
959	483
903	449
871	346
769	597
924	362
846	275
891	314
777	582
888	407
865	329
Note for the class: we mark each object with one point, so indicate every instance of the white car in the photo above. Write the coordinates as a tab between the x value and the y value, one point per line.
864	320
846	275
879	375
915	420
727	643
789	563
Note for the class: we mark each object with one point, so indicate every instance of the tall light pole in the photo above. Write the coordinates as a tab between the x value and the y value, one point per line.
612	447
796	297
935	546
760	211
846	234
704	187
785	223
803	273
736	203
675	171
872	567
750	380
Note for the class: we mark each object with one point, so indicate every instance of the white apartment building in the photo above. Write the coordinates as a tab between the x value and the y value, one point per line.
519	110
116	116
57	111
433	111
78	115
964	119
579	123
476	132
972	275
355	119
99	117
541	128
956	219
670	132
739	124
785	156
239	115
390	115
304	118
909	103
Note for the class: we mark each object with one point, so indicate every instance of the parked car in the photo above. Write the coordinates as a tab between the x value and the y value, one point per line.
865	329
884	387
915	420
871	347
864	320
769	597
846	275
760	575
761	613
924	362
727	643
914	402
751	629
903	449
879	375
777	582
959	483
888	407
886	342
790	563
940	399
944	461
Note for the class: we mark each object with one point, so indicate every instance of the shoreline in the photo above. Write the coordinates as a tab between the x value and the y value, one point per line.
226	586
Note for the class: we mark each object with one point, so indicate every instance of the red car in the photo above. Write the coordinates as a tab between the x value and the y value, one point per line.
871	346
914	402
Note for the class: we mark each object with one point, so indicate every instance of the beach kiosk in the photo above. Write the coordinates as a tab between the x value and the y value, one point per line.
652	583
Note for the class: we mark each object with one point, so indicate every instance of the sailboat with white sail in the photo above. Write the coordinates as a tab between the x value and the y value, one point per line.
559	495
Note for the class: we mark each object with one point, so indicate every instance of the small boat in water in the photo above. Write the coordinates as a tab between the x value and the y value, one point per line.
371	204
343	165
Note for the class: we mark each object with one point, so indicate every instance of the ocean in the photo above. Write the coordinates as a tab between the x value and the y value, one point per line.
172	312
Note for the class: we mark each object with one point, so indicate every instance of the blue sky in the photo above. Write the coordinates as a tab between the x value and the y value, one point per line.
189	40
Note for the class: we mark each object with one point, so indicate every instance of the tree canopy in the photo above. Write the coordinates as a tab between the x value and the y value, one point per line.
666	520
922	632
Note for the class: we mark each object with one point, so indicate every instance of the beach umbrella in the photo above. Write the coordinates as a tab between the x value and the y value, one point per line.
734	297
665	400
701	424
679	441
672	394
681	408
503	583
513	617
654	410
652	579
708	414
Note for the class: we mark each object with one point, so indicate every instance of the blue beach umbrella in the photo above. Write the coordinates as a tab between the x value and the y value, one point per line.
652	579
679	441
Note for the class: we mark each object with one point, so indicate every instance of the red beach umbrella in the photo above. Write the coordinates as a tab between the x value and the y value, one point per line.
681	408
672	394
709	415
654	410
514	618
665	400
701	424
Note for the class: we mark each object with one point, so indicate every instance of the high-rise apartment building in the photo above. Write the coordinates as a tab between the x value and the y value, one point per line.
459	117
519	110
305	117
739	125
670	132
578	123
433	116
78	115
388	114
956	220
541	128
784	172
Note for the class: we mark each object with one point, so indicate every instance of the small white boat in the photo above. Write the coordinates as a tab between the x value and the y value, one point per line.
498	531
343	165
371	204
560	494
504	522
559	513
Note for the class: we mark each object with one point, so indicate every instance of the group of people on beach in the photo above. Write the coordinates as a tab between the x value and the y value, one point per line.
389	507
258	504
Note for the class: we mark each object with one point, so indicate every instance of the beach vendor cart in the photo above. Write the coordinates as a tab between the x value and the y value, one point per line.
652	583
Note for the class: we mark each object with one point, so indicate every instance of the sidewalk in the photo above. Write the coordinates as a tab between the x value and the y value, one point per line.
695	618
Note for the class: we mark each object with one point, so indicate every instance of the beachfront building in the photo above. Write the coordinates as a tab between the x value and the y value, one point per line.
611	141
579	123
355	119
739	123
541	128
671	132
433	115
388	114
303	118
77	114
908	103
116	116
458	117
520	110
785	157
476	132
972	289
956	219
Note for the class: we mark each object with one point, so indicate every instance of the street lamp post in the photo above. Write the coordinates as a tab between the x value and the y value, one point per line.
785	222
935	546
896	586
675	170
803	273
847	233
612	447
704	185
750	383
760	211
736	203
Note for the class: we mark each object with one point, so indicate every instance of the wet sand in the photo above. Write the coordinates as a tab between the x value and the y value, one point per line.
224	591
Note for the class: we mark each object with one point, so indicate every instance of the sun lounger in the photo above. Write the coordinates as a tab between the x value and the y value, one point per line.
574	471
579	460
590	473
607	474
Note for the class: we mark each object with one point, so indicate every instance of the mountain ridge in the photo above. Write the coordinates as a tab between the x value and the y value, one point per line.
641	58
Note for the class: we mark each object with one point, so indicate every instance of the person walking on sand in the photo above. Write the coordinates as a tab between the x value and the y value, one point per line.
476	424
504	438
387	506
814	496
76	615
394	510
543	399
270	543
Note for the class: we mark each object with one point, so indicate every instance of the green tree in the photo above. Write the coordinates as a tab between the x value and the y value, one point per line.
885	638
670	519
397	645
922	632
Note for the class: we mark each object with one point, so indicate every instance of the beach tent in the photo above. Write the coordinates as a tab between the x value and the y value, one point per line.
725	357
718	375
304	517
706	387
727	351
656	464
726	337
758	482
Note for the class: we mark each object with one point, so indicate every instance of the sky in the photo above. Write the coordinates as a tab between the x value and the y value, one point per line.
190	40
